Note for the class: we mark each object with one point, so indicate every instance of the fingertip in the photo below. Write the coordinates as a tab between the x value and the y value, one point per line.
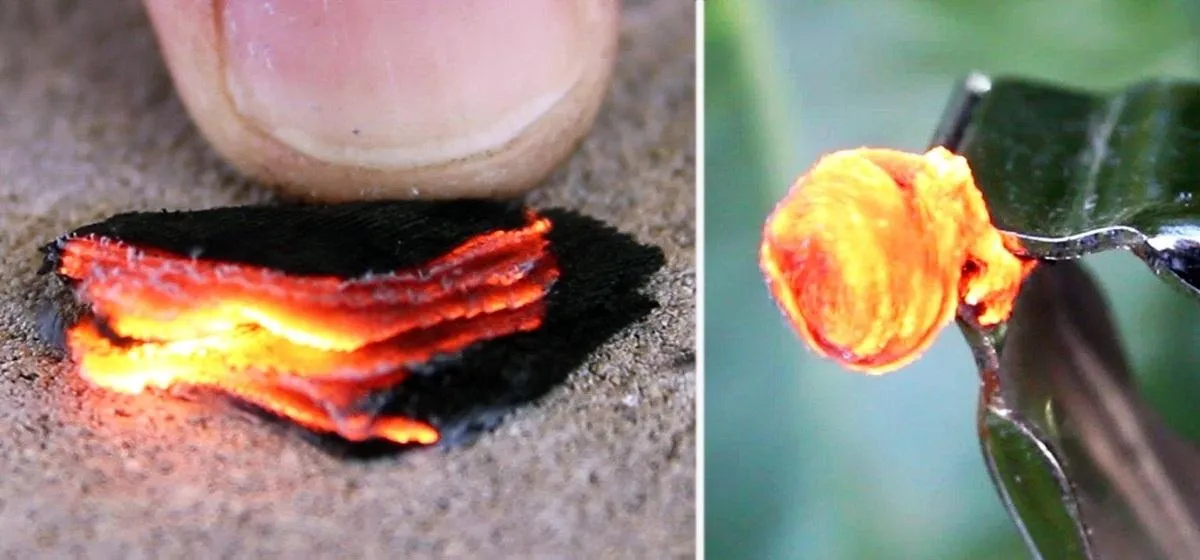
389	99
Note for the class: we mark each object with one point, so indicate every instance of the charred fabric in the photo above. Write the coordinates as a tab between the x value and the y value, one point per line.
374	326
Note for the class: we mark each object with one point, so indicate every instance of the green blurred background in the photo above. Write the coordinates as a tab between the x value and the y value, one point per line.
803	459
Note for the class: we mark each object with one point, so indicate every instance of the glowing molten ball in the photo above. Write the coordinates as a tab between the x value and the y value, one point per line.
871	252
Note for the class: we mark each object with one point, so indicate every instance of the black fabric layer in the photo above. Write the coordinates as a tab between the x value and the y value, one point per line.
338	239
464	394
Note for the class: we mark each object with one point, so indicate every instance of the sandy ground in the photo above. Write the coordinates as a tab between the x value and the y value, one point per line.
90	126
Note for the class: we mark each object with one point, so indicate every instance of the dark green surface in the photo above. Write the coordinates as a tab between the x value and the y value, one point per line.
1055	162
1030	482
1082	173
1069	442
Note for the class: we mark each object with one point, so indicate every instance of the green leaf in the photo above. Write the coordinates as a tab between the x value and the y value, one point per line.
1071	172
1083	465
1031	483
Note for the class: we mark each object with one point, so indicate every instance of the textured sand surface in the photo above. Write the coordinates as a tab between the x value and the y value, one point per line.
604	467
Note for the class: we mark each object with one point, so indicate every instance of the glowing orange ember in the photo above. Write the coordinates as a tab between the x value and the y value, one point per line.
308	348
872	251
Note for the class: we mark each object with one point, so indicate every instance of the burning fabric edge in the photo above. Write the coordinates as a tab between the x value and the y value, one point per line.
326	347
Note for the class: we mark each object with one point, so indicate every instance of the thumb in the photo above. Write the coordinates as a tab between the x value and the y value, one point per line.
391	99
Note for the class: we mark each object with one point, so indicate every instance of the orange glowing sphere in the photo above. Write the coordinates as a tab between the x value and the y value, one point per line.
871	252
